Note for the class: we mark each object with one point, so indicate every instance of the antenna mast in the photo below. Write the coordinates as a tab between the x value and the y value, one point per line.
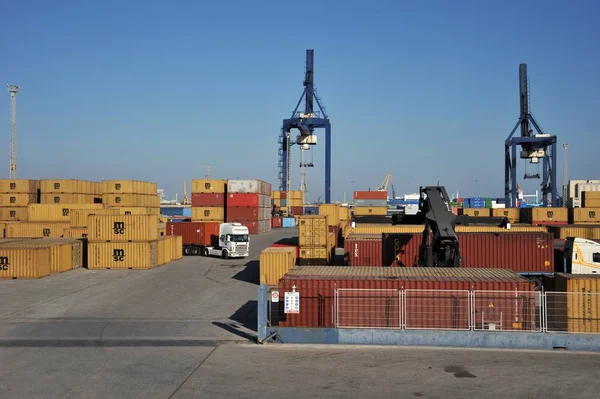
565	177
13	90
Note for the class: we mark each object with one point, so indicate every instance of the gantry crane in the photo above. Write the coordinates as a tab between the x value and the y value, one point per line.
186	200
384	185
306	122
533	147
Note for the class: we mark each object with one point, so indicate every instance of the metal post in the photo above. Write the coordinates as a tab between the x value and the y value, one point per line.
262	312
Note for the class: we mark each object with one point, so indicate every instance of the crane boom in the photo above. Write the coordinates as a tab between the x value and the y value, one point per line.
13	90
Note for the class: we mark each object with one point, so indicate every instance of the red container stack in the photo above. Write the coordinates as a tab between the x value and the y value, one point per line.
249	203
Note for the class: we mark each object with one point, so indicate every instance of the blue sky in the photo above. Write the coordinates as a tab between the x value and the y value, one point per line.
425	90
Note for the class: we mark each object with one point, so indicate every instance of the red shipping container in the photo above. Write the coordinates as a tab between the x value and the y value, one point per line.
370	195
297	210
243	213
208	199
363	250
401	249
449	310
255	227
243	199
276	223
194	233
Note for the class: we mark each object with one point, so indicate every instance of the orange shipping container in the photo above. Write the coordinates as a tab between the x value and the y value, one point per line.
34	230
275	262
122	255
332	211
69	186
177	247
19	186
25	262
13	213
122	227
312	231
65	253
165	250
370	211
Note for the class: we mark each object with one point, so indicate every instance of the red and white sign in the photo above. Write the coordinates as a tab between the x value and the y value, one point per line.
275	296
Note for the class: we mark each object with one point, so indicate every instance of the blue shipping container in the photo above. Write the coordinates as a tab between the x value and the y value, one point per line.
288	222
187	212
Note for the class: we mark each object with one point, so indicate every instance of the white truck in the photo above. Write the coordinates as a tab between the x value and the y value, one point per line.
582	256
233	242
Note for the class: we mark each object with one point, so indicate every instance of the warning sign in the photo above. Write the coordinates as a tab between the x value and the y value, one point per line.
275	296
292	302
491	305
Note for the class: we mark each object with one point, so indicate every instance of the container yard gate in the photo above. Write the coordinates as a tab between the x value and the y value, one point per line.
457	318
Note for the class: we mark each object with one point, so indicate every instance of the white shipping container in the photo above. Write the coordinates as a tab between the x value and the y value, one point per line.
498	206
580	188
243	186
572	191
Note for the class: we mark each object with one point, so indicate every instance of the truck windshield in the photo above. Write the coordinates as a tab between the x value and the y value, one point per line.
239	238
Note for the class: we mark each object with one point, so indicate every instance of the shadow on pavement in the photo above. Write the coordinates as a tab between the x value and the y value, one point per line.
244	317
250	273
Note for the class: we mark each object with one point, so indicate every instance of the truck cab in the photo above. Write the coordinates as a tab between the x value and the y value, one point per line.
582	256
234	240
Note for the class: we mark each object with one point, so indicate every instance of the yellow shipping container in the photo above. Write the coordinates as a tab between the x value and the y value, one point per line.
35	229
19	186
345	214
527	228
69	186
375	228
122	227
129	187
13	214
165	250
312	231
13	199
79	217
162	229
591	203
331	244
544	215
591	232
590	195
581	304
56	212
318	254
332	211
370	211
65	253
177	247
70	199
209	186
274	262
2	225
75	232
132	210
584	215
475	212
25	262
123	255
205	213
131	200
513	214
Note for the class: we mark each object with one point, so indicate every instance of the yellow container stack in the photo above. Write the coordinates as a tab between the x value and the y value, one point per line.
208	200
131	194
475	212
15	195
70	191
314	240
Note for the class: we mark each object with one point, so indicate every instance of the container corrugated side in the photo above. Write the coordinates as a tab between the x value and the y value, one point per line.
368	211
274	263
591	203
209	186
75	232
129	187
13	214
208	214
70	199
135	210
194	233
162	229
590	195
312	231
164	250
133	200
15	200
57	212
374	228
19	186
513	214
316	288
584	215
475	212
294	194
370	195
248	186
122	227
2	226
34	229
79	217
177	247
591	232
317	256
25	262
122	255
345	214
61	252
208	199
544	215
527	228
363	250
332	211
579	308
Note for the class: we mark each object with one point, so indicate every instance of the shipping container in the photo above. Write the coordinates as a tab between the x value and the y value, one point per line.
136	210
122	255
2	226
57	212
332	211
209	186
70	199
366	211
208	214
294	203
363	250
65	253
578	309
14	199
254	226
584	215
79	217
313	256
275	262
316	288
370	195
544	214
370	203
208	199
513	214
475	212
514	228
297	195
134	200
122	227
591	232
297	210
248	200
75	232
401	249
129	187
312	231
34	229
289	222
162	229
164	250
21	186
194	233
13	214
345	214
276	223
25	262
248	186
243	213
177	247
379	228
69	186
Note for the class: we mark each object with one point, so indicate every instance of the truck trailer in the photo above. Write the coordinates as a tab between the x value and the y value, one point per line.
226	240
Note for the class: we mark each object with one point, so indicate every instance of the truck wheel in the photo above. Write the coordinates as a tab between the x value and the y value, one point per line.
206	252
187	251
224	255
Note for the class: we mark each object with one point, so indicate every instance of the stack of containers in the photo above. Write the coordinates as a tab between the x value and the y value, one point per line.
314	241
78	219
513	214
370	203
131	196
70	191
488	202
208	200
477	202
15	195
249	203
544	215
332	212
125	242
295	201
477	212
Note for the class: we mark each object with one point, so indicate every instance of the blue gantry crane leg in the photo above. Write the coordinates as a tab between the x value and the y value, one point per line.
305	122
533	147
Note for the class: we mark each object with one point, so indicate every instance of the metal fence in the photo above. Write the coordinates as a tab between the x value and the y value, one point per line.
572	312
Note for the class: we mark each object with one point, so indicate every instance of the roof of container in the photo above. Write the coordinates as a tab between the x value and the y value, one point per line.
578	276
404	273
